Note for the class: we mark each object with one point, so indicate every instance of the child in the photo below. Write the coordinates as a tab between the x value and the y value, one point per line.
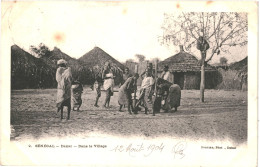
77	90
97	87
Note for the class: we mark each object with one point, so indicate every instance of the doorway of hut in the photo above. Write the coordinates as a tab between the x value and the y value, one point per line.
179	79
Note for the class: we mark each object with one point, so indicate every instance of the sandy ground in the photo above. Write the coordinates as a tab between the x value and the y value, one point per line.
223	115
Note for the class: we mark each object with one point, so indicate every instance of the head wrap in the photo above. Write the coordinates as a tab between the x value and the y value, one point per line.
61	61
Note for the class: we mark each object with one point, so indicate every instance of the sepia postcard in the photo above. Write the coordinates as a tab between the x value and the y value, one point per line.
129	83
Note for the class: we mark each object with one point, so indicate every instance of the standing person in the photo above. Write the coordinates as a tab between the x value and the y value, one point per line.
146	86
97	86
126	75
108	78
151	71
167	75
125	93
64	79
77	90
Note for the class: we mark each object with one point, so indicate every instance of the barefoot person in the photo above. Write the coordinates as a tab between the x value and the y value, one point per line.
151	71
108	78
64	79
97	87
77	90
146	86
125	93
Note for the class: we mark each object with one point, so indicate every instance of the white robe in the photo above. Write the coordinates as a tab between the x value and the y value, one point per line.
109	83
64	79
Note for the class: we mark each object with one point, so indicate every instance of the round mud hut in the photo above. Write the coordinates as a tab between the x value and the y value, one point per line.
95	60
186	71
30	72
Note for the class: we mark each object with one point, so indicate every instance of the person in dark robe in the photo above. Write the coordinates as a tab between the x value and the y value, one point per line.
172	93
125	93
77	90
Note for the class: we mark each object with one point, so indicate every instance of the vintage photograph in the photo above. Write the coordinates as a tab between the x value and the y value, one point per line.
128	70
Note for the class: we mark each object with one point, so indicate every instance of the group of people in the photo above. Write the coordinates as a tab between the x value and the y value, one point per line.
69	91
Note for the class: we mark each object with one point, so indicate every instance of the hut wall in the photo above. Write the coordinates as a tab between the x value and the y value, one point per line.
231	80
191	80
212	79
179	79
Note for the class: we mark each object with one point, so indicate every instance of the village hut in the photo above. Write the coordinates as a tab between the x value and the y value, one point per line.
235	77
79	72
186	71
95	60
28	71
242	73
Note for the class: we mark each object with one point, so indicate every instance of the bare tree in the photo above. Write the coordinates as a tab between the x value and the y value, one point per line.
211	33
140	57
223	61
153	60
41	51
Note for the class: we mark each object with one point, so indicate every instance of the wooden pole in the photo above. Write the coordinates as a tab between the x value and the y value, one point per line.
136	71
155	86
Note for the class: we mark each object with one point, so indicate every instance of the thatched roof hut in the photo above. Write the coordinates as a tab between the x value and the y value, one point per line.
183	62
186	70
28	71
78	70
240	65
99	57
95	60
56	54
236	76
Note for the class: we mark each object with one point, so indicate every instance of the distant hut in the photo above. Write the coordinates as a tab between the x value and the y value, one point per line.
28	71
95	60
242	72
186	70
78	70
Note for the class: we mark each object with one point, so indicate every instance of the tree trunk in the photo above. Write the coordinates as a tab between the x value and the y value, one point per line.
202	78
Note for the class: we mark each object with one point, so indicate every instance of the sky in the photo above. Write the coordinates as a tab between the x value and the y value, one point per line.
122	29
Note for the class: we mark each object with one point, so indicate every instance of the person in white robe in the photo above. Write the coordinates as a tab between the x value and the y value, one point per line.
64	80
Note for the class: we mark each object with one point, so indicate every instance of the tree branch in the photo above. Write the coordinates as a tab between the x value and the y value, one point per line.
231	33
189	28
217	26
218	46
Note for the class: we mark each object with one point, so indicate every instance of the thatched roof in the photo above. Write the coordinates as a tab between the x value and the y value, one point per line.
78	70
239	65
56	54
95	61
98	57
28	71
183	62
